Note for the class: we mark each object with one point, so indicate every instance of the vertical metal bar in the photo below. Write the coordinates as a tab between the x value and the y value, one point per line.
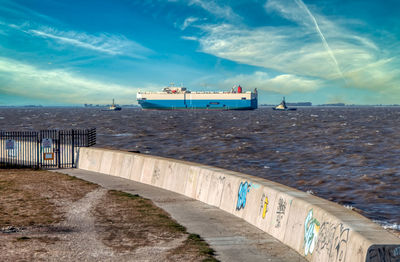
22	142
63	145
58	149
60	156
12	155
67	146
2	148
28	149
25	156
37	150
20	155
41	149
23	148
33	146
72	147
87	137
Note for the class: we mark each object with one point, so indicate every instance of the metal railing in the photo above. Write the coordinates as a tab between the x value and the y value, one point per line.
44	148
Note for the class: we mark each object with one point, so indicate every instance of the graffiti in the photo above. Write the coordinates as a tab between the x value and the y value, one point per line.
340	243
280	212
325	238
265	207
261	204
156	175
244	188
311	229
383	254
332	241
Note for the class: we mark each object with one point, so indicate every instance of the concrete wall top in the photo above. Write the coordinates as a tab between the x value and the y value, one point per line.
318	229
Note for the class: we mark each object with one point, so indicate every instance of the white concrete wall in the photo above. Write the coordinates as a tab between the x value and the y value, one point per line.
316	228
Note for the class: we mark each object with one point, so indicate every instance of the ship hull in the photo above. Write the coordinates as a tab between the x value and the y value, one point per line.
198	101
199	104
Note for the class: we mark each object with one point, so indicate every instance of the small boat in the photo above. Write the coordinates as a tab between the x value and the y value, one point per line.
113	107
283	107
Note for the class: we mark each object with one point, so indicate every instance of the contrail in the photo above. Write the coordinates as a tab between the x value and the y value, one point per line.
324	42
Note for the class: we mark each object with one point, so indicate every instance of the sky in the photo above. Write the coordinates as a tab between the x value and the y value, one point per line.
75	52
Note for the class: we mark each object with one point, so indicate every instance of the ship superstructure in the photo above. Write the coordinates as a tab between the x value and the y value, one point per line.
173	97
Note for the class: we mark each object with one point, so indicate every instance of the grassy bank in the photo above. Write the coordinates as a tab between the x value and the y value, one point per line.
46	215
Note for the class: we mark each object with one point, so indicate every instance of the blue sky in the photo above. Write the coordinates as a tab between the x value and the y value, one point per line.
74	52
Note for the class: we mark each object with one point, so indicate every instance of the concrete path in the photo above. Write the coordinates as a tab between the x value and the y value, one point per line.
232	238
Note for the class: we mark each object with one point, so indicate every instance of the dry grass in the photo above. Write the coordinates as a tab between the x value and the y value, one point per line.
34	204
152	227
31	198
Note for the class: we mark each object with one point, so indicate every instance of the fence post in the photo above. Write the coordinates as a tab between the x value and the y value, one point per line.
37	150
72	146
59	149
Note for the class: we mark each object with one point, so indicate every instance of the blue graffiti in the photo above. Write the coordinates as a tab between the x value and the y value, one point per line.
311	230
244	188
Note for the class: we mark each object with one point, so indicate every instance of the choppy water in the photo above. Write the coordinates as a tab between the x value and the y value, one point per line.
347	155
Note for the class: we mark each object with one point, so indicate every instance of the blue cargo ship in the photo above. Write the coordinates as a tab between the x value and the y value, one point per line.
173	97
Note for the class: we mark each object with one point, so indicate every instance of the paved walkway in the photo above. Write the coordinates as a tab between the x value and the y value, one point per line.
232	238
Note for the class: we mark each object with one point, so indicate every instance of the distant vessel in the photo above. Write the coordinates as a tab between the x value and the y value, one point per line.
114	107
173	97
283	107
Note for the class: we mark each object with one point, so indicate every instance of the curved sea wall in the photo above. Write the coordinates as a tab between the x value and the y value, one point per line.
318	229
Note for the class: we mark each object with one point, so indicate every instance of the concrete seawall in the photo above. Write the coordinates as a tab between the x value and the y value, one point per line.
316	228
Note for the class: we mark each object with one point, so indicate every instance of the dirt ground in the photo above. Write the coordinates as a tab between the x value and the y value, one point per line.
45	216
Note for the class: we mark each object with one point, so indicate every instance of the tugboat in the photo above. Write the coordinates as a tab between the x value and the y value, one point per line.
282	106
114	107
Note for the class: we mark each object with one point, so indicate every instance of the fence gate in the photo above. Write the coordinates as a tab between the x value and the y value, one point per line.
45	148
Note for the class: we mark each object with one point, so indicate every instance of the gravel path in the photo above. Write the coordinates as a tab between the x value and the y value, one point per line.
82	242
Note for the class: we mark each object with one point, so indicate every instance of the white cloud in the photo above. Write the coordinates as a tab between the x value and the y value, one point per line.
287	9
281	49
59	86
281	84
191	38
382	76
212	7
188	21
299	48
104	43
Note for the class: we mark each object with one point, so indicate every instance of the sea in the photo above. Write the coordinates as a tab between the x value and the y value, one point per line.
349	155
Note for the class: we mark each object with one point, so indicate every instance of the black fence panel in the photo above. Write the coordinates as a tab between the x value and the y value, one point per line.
44	148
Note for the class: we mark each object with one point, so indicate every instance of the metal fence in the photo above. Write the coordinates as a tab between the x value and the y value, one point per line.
45	148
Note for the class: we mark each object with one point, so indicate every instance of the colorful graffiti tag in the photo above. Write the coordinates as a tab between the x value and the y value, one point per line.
311	229
265	207
244	188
